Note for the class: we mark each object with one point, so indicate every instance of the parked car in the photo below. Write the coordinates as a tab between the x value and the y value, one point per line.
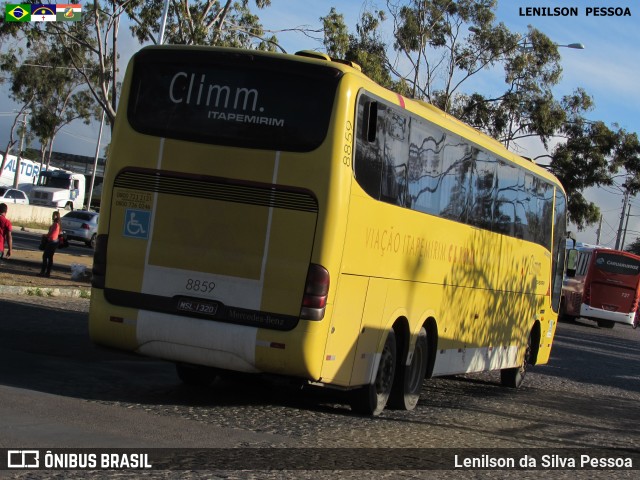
81	225
11	195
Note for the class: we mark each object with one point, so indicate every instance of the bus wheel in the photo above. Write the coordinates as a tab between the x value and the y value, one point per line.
408	384
371	399
513	377
606	323
68	206
196	375
563	317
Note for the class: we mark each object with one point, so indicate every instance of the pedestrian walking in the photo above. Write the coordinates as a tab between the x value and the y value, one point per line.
50	245
5	232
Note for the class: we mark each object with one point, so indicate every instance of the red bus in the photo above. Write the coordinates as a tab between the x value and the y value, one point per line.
602	285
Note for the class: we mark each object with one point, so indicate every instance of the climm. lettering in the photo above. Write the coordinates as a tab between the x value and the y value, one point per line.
186	88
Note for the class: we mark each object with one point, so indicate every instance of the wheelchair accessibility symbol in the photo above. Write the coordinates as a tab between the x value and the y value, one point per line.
136	223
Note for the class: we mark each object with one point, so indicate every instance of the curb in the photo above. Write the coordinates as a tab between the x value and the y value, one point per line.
74	292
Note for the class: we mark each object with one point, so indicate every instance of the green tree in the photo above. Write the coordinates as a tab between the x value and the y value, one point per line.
441	44
434	40
56	94
11	142
91	44
594	155
364	48
634	247
201	22
88	46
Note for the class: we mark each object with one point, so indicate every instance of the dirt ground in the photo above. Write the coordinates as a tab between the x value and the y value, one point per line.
21	270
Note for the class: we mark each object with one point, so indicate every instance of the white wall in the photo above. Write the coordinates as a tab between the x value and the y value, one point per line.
18	214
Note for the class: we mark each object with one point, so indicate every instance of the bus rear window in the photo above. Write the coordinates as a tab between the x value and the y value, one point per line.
235	99
617	264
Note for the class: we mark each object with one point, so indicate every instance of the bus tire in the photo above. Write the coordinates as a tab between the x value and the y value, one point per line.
371	399
513	377
562	314
563	317
606	323
196	375
408	383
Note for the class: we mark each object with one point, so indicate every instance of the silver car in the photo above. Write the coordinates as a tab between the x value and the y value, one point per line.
81	225
11	195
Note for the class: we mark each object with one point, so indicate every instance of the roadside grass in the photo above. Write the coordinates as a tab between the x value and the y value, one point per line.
33	225
40	292
49	292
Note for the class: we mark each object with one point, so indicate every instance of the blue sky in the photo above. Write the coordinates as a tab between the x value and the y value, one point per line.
608	69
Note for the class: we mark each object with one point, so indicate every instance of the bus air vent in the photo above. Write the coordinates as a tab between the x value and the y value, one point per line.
314	54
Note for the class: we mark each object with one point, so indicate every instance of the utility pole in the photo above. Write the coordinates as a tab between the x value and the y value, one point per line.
598	231
16	176
163	22
95	163
625	200
624	234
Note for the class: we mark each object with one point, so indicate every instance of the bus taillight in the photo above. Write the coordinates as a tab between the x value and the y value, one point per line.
99	271
316	289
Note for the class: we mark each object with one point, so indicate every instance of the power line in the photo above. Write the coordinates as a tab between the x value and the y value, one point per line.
80	137
612	192
612	232
609	211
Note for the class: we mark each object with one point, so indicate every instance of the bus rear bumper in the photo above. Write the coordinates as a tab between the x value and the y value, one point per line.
210	343
198	342
591	313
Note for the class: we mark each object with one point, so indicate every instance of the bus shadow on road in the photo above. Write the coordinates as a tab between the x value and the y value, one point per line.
49	350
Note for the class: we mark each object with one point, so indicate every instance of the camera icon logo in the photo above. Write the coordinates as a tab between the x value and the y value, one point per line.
23	459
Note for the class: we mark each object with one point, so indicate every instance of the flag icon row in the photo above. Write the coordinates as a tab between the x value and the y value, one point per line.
42	12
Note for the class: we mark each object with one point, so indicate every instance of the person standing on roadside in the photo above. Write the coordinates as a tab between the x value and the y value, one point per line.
51	245
5	231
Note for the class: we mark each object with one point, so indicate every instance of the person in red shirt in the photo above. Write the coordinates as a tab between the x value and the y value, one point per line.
5	231
51	245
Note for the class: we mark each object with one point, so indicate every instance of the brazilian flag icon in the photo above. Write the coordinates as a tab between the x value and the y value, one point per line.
17	12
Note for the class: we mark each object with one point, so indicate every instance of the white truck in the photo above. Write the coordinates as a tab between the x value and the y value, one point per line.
59	189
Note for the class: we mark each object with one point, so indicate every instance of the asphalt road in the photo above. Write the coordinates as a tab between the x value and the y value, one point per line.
58	390
31	241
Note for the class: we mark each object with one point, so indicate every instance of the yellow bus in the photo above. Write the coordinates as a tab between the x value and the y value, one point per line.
284	214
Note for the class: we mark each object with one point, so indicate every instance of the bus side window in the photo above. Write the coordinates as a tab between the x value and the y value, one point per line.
572	259
370	120
369	147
